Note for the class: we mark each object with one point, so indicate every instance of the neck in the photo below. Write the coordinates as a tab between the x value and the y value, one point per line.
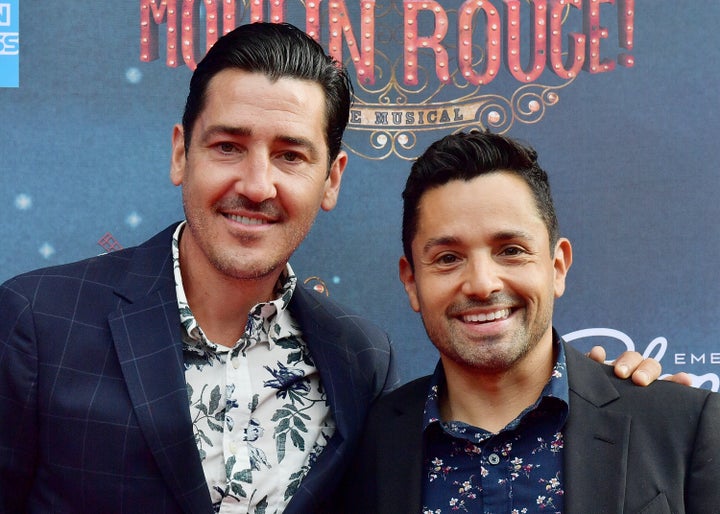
491	400
221	304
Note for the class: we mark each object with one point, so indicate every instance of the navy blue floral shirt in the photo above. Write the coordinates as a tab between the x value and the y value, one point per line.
516	471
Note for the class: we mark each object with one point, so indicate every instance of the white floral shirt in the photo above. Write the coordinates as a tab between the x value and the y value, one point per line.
260	415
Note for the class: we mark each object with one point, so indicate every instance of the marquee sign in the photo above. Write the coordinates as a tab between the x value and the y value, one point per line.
420	65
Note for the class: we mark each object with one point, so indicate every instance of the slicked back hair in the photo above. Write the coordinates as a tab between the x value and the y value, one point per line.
276	50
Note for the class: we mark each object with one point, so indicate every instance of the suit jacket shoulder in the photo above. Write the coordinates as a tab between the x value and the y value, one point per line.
652	445
93	347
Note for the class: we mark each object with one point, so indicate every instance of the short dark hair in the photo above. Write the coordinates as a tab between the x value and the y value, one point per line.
277	50
464	156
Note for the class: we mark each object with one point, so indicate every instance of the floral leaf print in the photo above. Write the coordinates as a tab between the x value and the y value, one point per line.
294	357
299	424
280	445
295	479
297	440
214	426
244	475
289	382
229	465
300	355
253	431
214	399
258	459
261	506
197	356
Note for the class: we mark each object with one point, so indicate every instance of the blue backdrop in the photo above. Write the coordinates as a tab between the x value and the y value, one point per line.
631	147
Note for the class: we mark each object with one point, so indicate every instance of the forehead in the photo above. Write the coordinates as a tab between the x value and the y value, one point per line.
240	97
485	205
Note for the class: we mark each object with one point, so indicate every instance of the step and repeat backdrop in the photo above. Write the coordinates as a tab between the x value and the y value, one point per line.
620	98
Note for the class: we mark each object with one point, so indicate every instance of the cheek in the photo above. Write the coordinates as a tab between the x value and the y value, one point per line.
207	190
433	296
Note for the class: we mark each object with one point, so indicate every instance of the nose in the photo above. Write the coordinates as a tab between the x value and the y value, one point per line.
482	277
255	178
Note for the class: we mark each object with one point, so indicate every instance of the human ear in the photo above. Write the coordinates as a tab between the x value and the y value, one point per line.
407	277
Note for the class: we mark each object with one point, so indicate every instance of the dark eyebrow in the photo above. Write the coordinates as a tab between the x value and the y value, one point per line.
506	235
439	241
215	130
311	148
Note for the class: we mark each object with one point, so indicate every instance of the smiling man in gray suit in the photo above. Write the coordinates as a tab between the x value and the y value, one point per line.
514	420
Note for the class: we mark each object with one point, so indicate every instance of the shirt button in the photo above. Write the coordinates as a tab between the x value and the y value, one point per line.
233	448
493	459
236	363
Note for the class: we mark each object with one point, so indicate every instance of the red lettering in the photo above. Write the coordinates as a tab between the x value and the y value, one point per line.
493	42
363	53
413	41
478	62
576	41
626	31
277	11
538	41
594	32
151	15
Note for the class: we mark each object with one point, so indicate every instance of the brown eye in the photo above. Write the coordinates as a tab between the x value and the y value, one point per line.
512	251
226	147
291	156
447	258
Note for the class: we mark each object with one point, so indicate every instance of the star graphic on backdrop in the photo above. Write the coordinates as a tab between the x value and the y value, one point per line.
23	202
133	219
46	250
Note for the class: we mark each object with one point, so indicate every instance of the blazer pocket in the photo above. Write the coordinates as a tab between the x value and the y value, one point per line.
658	505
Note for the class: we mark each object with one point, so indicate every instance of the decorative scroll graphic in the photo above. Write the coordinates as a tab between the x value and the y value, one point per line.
318	284
392	127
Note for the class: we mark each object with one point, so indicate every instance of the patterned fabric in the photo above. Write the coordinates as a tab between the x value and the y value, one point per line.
516	471
260	415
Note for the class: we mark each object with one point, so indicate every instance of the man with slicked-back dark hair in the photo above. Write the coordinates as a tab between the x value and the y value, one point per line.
193	373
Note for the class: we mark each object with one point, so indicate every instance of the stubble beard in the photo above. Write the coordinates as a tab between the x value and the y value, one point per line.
490	354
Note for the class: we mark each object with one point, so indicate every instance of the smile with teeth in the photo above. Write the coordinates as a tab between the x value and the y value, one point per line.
246	220
486	316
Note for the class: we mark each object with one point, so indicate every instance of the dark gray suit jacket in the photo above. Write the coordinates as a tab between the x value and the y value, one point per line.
627	448
94	414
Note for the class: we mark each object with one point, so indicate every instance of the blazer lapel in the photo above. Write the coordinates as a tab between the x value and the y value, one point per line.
596	441
322	333
400	483
146	332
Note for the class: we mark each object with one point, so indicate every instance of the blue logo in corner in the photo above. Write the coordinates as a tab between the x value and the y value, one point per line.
9	43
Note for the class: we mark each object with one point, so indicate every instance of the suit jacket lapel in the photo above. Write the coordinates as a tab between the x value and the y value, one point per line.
400	484
596	441
146	332
321	332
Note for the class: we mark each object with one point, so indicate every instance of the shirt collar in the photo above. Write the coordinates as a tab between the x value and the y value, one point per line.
267	321
557	387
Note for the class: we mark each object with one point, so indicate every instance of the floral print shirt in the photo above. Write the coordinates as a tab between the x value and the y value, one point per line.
259	412
516	471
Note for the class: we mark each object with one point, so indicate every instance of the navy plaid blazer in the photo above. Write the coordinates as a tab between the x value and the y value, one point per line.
94	412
